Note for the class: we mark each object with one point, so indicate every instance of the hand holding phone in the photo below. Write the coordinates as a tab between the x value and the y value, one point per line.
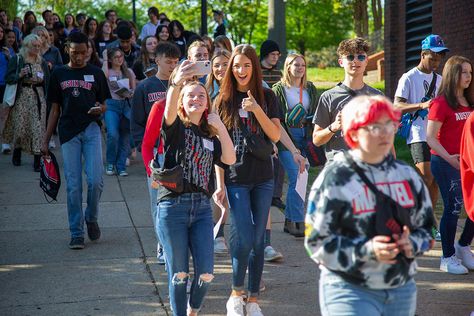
202	67
95	110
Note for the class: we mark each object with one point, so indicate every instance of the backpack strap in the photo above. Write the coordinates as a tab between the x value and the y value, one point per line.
432	86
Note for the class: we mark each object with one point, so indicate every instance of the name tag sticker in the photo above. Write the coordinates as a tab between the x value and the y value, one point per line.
89	78
208	144
113	78
243	113
40	74
101	44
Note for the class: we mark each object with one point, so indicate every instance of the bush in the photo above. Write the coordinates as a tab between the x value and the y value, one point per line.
326	57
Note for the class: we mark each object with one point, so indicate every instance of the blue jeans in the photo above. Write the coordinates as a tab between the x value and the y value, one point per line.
338	297
154	198
294	210
185	224
117	120
87	144
299	138
249	207
449	182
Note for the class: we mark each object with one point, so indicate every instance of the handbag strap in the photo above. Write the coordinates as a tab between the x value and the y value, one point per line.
301	95
361	174
181	136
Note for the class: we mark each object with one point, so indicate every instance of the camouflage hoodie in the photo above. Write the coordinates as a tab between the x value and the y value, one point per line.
341	216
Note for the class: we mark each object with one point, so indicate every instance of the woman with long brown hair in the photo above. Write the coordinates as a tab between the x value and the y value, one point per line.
447	116
145	65
117	115
249	112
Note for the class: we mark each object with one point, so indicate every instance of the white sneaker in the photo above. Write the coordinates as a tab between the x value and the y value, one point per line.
219	246
270	254
253	309
452	265
235	306
465	255
6	149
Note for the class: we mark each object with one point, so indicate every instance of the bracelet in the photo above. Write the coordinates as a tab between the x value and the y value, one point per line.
329	128
297	151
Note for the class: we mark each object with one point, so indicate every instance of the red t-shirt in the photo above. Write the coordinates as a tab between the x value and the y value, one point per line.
152	132
453	121
467	166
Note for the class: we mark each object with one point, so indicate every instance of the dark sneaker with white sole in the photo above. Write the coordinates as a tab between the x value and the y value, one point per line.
76	243
93	231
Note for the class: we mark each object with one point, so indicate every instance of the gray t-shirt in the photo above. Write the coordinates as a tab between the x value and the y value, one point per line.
332	102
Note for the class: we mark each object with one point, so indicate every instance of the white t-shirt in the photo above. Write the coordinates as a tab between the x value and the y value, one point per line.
413	86
293	97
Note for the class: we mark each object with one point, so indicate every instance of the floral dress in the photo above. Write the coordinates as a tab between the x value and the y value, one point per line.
26	122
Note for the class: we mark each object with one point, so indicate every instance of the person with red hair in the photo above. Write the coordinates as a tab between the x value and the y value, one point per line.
369	215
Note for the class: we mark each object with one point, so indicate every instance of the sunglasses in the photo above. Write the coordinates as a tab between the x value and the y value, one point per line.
360	57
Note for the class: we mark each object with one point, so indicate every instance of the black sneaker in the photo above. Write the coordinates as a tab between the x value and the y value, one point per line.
76	243
93	231
278	203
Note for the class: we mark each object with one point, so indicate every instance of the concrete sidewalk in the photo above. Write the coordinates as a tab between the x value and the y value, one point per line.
39	275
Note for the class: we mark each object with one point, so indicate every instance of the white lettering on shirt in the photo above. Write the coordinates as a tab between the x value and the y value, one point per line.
399	191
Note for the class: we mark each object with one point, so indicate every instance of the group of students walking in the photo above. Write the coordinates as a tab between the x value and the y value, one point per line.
216	125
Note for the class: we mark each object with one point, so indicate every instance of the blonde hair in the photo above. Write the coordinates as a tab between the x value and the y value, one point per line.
287	78
26	46
197	44
41	29
210	77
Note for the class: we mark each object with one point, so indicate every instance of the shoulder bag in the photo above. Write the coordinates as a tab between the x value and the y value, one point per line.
260	147
297	114
10	90
173	178
408	118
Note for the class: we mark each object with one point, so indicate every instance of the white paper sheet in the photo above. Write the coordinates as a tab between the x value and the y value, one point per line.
301	184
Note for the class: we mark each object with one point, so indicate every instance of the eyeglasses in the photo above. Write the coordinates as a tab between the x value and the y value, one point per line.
360	57
377	129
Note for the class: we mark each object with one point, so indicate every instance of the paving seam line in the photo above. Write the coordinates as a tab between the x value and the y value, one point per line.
144	258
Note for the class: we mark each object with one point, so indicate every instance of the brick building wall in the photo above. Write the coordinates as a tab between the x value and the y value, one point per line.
453	20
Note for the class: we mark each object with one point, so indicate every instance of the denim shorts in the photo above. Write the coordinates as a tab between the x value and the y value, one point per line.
420	152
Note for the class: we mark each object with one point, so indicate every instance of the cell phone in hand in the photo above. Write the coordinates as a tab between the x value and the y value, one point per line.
94	109
202	67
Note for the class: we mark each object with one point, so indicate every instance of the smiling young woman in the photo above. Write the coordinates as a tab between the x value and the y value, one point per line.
246	108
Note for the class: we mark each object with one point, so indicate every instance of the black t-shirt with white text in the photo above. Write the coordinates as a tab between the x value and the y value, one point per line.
76	90
249	169
201	153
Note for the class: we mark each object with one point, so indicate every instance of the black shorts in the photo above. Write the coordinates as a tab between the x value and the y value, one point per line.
420	152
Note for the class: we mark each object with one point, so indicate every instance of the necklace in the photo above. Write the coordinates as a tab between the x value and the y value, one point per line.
164	86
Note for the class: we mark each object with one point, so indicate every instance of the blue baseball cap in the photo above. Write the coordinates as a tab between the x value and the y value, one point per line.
434	43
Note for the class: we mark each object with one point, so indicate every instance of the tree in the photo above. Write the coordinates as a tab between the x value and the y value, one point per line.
377	14
361	18
277	23
327	24
11	7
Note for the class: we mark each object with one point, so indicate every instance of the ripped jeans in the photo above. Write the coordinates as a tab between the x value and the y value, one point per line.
449	182
185	225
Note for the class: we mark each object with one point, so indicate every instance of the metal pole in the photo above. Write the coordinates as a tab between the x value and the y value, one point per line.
203	17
